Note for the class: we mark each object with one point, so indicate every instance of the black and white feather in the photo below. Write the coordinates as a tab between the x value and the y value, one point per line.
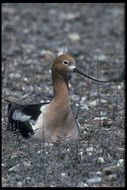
21	118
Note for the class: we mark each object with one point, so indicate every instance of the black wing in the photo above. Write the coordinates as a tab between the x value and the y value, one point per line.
21	117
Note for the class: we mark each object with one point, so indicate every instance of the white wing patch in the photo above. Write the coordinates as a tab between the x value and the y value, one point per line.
18	115
43	101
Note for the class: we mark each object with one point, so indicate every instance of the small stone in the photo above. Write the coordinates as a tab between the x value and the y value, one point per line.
111	177
99	173
14	168
103	121
121	150
90	149
110	169
69	16
25	79
63	174
26	31
16	154
19	184
101	57
81	154
27	164
40	185
100	160
121	85
93	103
4	180
28	179
82	184
74	37
94	180
120	162
14	75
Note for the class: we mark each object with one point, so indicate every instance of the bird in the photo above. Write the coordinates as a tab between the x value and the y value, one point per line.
52	120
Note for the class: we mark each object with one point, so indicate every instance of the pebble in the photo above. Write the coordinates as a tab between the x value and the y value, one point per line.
40	185
90	149
63	174
121	85
74	37
120	162
100	160
103	121
110	169
94	180
27	164
14	168
101	57
98	173
69	16
4	180
19	184
3	165
29	179
121	150
82	184
14	75
89	153
111	177
16	154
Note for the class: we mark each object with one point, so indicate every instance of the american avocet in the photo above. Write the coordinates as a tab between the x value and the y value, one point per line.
49	121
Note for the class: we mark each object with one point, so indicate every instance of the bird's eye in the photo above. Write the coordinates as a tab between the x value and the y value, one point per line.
65	62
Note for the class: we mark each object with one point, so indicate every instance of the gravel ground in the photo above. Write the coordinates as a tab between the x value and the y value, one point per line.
94	35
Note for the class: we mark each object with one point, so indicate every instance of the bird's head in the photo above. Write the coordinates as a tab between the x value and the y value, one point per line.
66	64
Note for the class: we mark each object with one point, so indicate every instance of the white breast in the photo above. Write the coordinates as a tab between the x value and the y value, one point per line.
40	121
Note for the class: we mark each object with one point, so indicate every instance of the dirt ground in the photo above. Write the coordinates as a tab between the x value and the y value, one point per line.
94	35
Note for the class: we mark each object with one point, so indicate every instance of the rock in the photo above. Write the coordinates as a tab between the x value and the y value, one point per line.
16	154
63	174
110	169
101	57
121	85
27	164
3	165
111	177
89	153
14	168
4	180
74	37
121	150
120	162
41	184
103	121
29	179
70	16
90	149
82	184
100	160
19	184
98	173
14	75
94	180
